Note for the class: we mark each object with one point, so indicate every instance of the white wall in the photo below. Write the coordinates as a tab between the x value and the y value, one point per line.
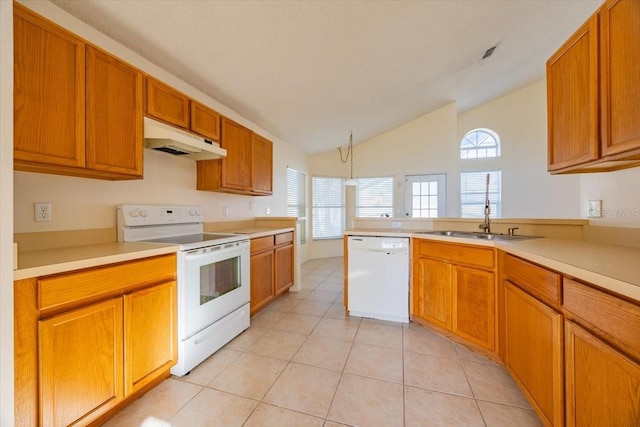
430	144
620	195
81	203
528	190
6	213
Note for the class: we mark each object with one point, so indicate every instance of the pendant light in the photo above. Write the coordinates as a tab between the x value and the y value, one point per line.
351	181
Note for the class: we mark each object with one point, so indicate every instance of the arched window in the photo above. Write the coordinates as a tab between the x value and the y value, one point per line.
479	144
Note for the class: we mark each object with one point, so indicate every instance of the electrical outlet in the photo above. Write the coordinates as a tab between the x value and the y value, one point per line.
225	211
396	224
42	211
252	206
595	209
267	211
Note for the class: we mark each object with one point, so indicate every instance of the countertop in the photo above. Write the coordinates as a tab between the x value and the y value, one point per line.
261	231
612	267
60	260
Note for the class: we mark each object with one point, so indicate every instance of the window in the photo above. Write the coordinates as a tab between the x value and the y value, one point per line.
296	200
473	187
328	207
375	197
425	196
480	143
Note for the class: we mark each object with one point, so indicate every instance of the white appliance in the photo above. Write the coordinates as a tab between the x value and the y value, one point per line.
212	275
162	137
378	277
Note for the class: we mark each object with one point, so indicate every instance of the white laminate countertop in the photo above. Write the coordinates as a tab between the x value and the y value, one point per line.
612	267
60	260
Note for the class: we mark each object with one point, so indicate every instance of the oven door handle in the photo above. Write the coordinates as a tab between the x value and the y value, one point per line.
213	256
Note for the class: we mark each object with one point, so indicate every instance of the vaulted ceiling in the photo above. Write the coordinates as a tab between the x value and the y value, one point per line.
309	72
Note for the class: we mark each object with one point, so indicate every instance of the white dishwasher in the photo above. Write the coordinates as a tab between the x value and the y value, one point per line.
378	277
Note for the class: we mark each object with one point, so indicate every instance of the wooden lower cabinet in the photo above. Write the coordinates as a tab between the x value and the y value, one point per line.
150	334
474	305
533	352
272	261
456	297
89	341
431	299
261	280
80	363
602	384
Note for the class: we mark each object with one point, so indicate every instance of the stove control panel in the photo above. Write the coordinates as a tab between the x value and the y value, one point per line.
141	215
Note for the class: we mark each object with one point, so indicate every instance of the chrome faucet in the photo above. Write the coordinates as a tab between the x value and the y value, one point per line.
486	225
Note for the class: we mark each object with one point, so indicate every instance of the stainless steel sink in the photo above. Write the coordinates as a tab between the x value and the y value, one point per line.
476	235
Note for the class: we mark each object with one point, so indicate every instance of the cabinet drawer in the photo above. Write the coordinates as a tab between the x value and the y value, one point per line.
612	318
98	283
539	282
261	243
459	254
283	238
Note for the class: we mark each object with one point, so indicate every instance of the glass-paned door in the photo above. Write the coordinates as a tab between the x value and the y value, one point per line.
425	196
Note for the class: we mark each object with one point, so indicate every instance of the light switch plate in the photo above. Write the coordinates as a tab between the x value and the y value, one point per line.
595	209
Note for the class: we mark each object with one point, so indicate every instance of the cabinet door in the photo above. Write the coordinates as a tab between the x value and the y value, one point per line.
80	363
431	293
236	167
533	352
620	79
150	334
572	99
167	104
283	268
601	383
261	164
205	121
114	115
49	93
474	305
261	280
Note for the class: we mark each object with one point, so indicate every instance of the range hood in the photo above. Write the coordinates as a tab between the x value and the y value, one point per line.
162	137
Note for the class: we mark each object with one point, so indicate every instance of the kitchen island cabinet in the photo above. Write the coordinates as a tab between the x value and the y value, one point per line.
77	110
454	288
248	167
89	341
593	89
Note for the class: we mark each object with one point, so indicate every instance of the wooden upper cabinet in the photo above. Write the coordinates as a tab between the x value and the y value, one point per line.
167	104
236	167
620	76
205	121
114	115
593	93
49	92
261	164
77	110
572	98
248	167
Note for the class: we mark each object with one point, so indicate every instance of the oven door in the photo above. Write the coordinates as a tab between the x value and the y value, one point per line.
212	282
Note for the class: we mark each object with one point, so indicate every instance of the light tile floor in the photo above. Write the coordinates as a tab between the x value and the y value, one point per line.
304	363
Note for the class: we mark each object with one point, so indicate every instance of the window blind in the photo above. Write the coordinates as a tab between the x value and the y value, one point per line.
472	193
328	207
375	197
296	200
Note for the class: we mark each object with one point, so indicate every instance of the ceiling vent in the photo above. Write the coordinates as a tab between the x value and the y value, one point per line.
489	52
